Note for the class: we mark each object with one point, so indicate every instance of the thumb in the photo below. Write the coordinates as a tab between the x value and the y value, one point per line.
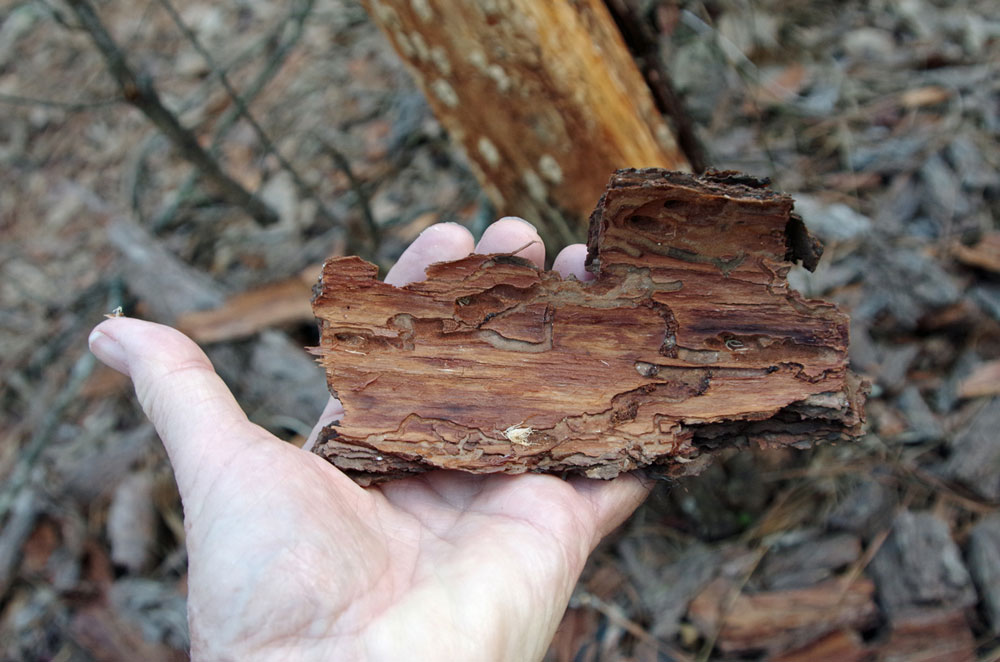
198	419
612	501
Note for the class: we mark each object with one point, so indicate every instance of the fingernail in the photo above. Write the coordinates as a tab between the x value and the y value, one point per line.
518	218
108	351
438	227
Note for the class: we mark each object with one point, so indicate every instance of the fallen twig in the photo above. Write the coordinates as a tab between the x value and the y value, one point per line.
15	531
140	92
615	614
32	451
370	237
43	433
296	18
305	189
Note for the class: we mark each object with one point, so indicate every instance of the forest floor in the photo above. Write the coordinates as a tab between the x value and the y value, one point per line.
880	118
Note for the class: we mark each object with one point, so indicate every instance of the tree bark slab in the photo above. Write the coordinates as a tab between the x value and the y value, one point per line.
688	340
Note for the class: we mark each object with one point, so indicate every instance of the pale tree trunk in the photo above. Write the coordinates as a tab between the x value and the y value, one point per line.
542	94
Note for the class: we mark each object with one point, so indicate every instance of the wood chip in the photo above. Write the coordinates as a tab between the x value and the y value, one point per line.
984	381
777	87
808	562
778	621
105	636
920	567
132	522
985	254
975	454
840	646
577	630
687	341
249	312
930	636
920	97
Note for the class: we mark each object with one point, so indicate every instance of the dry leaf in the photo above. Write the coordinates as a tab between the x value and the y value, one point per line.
984	381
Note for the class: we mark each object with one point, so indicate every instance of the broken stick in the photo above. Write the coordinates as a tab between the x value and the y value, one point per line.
688	341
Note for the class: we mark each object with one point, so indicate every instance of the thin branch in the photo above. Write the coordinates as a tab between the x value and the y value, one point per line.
15	532
305	189
617	616
43	432
140	92
296	18
371	228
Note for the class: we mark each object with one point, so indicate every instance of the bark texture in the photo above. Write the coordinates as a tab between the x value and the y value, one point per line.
688	340
544	97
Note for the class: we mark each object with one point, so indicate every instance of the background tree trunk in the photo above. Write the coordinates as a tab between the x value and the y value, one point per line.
543	96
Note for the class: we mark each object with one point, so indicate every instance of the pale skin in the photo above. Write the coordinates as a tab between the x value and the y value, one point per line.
290	560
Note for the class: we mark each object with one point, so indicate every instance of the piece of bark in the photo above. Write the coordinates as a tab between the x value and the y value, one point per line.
778	621
974	459
577	632
866	509
919	568
929	636
807	562
840	646
687	341
666	588
544	97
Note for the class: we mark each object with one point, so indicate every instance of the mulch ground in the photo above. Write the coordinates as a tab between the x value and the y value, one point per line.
880	118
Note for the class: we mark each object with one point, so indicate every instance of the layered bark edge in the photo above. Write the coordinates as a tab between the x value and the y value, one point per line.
687	341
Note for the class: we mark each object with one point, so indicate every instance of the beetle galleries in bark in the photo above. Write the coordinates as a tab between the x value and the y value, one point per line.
687	341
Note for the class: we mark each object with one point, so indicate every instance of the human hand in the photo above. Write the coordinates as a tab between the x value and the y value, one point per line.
288	559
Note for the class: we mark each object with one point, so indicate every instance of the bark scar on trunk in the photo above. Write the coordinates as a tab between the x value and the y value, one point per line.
688	341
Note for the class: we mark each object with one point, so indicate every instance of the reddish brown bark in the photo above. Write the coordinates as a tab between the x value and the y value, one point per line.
688	340
776	621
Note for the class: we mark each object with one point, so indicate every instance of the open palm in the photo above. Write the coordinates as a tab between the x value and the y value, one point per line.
289	559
